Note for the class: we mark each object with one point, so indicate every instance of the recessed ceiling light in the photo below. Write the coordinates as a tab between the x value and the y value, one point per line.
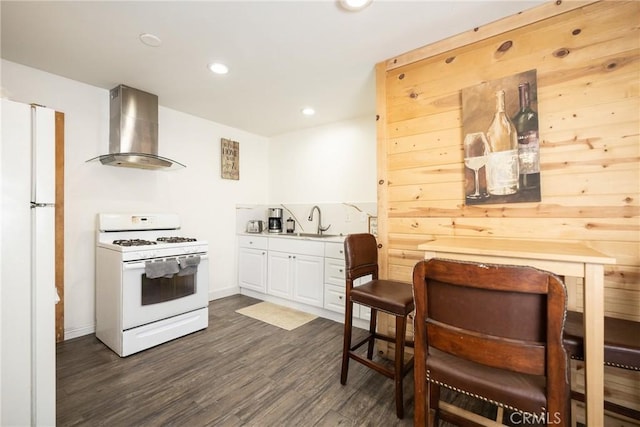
218	68
354	5
150	40
308	111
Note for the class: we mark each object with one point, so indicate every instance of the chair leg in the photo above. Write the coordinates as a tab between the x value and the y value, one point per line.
346	347
434	403
574	412
372	332
401	324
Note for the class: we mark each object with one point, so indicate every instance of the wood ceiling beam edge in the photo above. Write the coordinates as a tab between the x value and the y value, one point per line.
512	22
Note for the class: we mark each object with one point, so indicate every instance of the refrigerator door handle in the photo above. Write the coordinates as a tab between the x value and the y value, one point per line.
43	148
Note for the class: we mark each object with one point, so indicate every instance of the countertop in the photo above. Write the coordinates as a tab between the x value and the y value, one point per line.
329	237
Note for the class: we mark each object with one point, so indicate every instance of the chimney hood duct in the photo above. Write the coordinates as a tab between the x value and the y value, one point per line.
133	131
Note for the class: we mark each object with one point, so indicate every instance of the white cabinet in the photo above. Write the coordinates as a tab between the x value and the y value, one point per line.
309	272
334	283
295	270
280	278
252	263
307	280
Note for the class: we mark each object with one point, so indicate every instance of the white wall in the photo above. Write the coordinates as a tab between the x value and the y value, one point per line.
328	164
332	163
205	202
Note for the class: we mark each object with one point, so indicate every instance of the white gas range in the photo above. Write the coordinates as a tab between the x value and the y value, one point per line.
151	282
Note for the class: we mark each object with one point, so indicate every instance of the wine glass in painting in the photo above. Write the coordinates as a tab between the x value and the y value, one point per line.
476	151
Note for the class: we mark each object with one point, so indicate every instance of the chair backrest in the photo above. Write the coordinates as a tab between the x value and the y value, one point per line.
508	317
361	256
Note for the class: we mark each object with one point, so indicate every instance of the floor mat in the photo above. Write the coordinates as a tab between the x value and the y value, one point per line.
277	315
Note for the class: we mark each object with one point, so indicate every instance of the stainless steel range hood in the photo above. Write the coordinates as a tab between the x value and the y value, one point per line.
133	131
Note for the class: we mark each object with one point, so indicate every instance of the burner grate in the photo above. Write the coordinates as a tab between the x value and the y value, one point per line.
133	242
176	239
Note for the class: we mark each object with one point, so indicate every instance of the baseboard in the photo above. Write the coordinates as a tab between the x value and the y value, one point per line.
223	293
79	332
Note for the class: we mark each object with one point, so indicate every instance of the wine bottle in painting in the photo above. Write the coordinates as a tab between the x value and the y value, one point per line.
526	123
502	165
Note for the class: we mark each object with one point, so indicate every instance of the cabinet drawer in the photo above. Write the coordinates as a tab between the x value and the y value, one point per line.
334	272
255	242
334	298
294	246
334	250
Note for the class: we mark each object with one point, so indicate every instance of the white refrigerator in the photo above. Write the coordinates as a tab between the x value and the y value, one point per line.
27	295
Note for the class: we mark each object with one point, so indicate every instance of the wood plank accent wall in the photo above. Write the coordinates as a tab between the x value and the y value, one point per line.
589	107
587	57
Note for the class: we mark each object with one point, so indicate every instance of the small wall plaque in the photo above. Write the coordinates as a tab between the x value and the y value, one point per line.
373	225
230	159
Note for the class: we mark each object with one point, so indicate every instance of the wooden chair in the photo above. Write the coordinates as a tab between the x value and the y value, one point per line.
621	350
493	332
395	298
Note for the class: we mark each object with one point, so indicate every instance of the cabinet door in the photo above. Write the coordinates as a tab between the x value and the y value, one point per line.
252	269
279	275
308	280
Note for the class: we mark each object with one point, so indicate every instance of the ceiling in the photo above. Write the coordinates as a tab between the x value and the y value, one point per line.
282	55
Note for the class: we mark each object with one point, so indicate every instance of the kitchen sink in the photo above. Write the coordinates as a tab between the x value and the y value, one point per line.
314	235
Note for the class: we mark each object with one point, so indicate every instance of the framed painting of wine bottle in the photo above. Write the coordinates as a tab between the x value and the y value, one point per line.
501	140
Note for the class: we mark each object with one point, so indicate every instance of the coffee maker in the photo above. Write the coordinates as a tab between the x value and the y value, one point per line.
275	220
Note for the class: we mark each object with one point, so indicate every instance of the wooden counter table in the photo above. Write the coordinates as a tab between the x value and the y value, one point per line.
564	259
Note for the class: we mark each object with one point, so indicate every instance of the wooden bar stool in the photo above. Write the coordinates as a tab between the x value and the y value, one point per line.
395	298
621	350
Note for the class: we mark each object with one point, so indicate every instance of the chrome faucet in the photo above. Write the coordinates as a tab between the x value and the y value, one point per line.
320	227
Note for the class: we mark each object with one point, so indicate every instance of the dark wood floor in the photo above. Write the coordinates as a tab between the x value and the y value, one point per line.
237	372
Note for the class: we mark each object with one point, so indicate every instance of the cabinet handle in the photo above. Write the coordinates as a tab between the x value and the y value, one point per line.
341	270
341	252
340	297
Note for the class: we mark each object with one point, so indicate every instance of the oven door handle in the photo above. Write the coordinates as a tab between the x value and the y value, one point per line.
128	265
133	265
